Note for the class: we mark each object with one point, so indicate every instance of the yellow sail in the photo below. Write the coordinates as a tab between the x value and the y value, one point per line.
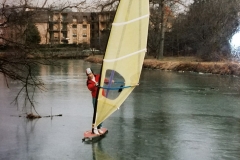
124	56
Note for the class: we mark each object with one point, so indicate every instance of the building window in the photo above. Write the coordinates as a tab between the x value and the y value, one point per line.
84	35
74	26
84	26
64	17
74	35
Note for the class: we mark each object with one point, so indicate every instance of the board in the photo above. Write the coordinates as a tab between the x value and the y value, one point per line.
88	135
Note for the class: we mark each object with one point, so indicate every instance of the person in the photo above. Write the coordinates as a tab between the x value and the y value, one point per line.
92	84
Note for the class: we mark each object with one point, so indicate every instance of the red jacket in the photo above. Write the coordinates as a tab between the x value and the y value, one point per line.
92	86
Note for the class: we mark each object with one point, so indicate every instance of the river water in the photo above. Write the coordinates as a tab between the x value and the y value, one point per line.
170	116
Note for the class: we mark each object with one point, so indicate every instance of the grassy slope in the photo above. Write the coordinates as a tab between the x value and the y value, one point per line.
186	64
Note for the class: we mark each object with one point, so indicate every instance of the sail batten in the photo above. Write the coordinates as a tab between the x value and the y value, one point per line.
123	58
130	21
126	56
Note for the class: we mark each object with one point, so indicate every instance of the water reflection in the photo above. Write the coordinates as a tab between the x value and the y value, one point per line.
98	152
169	116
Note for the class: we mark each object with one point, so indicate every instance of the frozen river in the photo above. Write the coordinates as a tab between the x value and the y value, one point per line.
170	116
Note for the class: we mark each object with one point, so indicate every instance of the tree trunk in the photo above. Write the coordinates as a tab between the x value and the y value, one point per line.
162	31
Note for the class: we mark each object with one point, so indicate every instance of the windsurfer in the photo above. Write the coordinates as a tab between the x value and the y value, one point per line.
92	83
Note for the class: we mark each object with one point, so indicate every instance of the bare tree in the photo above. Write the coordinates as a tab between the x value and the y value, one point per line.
208	27
104	5
105	10
162	12
15	61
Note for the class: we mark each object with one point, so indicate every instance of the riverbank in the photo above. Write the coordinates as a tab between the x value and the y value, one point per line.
182	64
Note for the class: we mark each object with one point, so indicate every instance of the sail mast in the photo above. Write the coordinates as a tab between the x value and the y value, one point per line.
96	101
98	90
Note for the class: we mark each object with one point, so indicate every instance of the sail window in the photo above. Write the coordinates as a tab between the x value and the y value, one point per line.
115	84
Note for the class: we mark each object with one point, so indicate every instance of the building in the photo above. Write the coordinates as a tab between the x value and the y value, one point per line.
64	27
67	27
11	27
101	23
61	26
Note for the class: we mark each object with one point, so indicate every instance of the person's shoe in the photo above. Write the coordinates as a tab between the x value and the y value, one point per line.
95	131
100	131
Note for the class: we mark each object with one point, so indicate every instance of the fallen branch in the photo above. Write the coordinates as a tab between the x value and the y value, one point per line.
32	116
59	115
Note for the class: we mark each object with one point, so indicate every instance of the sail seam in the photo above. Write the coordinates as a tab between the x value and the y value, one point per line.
129	55
131	21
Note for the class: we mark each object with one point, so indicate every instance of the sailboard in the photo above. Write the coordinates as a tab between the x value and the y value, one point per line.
123	59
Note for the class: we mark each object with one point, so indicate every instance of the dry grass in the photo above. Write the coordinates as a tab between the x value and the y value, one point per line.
185	64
